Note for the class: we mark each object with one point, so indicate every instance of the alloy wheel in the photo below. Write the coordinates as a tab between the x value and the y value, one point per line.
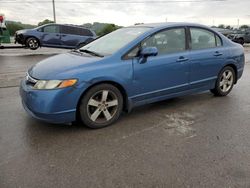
102	106
226	81
33	43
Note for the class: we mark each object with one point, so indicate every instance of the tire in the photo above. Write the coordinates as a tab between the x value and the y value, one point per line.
225	82
101	106
32	43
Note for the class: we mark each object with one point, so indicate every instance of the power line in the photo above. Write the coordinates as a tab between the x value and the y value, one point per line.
115	1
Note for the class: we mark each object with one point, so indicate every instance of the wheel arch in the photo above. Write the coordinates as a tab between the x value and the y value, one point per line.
126	106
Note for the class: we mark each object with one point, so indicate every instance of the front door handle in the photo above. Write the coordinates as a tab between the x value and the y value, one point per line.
217	53
182	59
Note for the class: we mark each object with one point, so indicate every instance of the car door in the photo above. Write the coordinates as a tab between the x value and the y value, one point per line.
70	36
51	36
166	73
208	56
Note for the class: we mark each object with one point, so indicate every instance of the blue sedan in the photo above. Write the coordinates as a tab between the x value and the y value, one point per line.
130	67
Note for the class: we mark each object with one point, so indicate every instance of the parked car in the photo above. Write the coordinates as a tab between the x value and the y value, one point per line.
129	67
242	37
55	35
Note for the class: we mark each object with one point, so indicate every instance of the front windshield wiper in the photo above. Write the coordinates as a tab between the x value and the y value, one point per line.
91	52
75	50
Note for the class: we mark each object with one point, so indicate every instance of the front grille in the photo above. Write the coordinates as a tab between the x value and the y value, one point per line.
29	80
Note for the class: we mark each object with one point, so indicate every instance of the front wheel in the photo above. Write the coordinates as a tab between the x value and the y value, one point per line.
32	43
101	106
225	82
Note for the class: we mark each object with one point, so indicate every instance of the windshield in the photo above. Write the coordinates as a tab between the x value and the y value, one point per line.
110	43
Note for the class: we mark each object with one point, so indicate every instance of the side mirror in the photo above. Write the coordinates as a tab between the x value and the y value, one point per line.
149	51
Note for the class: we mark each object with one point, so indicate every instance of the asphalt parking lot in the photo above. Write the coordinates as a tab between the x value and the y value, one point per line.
192	141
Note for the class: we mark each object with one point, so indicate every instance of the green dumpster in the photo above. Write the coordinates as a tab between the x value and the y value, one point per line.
4	35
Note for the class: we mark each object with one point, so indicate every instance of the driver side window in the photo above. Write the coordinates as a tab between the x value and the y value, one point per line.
51	29
168	41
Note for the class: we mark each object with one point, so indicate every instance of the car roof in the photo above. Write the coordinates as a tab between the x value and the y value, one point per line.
71	25
168	24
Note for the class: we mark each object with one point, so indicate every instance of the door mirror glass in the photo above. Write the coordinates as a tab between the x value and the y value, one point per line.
149	51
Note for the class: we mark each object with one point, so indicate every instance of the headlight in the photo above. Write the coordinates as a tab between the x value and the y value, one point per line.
54	84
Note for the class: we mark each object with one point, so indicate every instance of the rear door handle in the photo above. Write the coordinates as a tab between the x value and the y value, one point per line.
182	59
217	53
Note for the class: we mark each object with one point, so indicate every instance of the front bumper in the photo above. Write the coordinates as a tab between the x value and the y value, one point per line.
19	38
54	106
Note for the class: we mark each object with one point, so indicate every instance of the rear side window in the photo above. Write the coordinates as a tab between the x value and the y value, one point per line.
202	39
218	41
51	29
68	30
75	31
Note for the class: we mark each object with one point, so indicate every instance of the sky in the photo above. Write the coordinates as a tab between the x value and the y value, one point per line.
129	12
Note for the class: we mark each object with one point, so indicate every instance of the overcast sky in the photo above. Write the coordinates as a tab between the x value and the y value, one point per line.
128	12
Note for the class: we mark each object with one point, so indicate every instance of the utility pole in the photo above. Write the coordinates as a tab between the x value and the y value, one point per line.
54	10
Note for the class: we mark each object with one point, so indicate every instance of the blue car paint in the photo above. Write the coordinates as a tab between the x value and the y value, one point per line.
160	78
59	40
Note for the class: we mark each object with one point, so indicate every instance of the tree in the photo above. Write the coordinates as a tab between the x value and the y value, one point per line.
228	27
222	26
108	29
13	27
46	21
244	27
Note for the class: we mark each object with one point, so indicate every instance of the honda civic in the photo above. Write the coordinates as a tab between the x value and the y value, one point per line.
129	67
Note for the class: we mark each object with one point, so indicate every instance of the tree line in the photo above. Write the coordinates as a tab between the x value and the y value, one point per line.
99	28
242	27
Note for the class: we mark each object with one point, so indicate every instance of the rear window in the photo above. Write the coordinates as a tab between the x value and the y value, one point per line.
75	31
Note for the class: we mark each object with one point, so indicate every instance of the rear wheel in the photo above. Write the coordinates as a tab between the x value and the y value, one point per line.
101	106
32	43
225	82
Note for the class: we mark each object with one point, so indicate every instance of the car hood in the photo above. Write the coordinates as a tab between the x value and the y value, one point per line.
22	31
62	66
